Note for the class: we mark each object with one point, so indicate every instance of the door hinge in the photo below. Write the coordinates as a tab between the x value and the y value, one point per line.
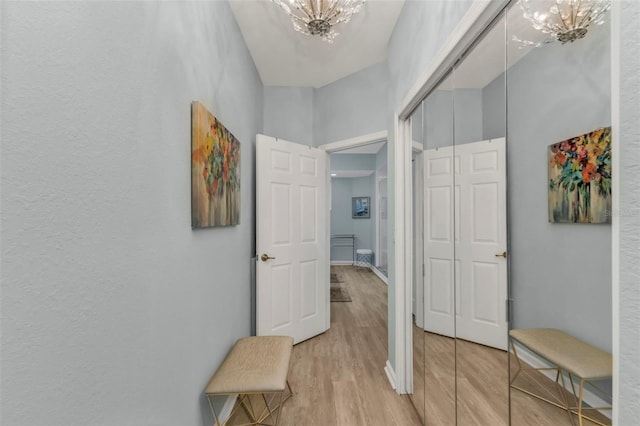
423	269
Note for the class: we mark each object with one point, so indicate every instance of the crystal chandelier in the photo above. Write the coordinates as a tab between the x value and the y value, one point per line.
563	20
318	17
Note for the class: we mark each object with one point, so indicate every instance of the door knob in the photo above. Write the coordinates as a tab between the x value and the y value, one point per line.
266	257
503	254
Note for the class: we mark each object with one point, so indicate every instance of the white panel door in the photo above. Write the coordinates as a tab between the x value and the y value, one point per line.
292	284
481	218
439	293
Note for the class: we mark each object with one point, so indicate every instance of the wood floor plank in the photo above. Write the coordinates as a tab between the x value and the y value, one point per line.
349	410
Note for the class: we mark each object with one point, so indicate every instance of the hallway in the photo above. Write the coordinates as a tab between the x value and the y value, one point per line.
338	377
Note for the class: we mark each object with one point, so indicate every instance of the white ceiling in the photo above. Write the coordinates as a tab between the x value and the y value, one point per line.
285	57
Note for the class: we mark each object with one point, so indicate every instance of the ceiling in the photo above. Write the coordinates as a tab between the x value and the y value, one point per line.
285	57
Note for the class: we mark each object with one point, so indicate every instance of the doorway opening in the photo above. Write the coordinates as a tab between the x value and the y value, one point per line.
358	209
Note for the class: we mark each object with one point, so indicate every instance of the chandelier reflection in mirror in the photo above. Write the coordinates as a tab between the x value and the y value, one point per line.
318	17
563	20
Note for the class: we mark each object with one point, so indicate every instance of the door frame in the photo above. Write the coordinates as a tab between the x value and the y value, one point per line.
378	178
330	148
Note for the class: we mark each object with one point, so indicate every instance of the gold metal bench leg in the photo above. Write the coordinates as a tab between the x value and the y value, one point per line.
515	353
247	407
279	409
562	388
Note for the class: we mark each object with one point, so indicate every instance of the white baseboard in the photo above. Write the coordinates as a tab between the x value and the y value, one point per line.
227	408
380	275
589	397
391	374
342	262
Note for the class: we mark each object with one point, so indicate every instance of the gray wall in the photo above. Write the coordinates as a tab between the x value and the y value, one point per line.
494	109
560	273
352	106
629	232
450	114
342	190
381	157
438	117
112	305
288	113
353	162
468	115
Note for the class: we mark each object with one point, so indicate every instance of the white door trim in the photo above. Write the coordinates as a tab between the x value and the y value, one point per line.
379	213
355	142
478	17
418	235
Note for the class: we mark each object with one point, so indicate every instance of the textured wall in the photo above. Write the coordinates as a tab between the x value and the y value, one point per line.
629	378
111	305
288	113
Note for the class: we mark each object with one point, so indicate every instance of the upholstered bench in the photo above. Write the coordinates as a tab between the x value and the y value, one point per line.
255	366
568	354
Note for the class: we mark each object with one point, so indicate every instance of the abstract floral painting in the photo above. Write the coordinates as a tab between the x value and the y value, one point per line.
215	171
580	178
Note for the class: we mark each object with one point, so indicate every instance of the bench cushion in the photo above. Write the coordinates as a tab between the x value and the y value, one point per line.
254	364
567	352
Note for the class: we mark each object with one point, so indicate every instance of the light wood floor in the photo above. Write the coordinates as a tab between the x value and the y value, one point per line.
338	377
467	383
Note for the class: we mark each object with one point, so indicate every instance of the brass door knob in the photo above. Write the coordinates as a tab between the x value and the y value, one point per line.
503	254
266	257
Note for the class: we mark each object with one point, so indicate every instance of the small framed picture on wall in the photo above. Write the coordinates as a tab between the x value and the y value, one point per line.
360	208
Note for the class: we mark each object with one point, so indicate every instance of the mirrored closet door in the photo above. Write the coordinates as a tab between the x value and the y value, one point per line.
514	323
480	230
559	159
